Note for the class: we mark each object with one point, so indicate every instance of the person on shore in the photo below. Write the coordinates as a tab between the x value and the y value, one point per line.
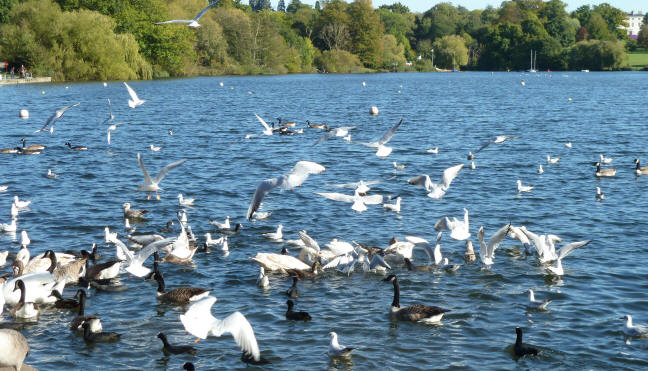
22	71
12	72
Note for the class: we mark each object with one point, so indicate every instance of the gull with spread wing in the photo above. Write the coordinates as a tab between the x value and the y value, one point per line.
295	178
565	250
57	115
437	191
459	230
193	23
382	150
151	185
134	101
358	202
135	260
268	129
487	252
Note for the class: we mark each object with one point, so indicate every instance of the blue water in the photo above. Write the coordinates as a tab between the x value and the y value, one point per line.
456	112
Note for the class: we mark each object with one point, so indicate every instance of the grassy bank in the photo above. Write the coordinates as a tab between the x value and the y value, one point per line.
638	60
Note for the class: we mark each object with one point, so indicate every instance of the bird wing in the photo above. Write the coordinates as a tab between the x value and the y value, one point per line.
388	135
308	240
372	200
263	189
197	17
122	246
449	174
423	180
336	196
326	136
265	125
568	248
378	261
300	172
483	249
537	242
57	115
149	249
496	239
165	22
237	325
198	320
484	145
166	169
147	178
131	92
416	240
442	224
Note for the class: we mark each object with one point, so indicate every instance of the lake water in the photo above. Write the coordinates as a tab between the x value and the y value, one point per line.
456	112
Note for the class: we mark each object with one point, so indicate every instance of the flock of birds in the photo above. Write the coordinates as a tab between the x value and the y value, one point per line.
39	280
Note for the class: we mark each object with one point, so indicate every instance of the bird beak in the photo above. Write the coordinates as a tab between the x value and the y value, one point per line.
196	341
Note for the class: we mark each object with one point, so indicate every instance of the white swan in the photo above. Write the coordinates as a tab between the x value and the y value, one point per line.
437	191
278	262
152	185
134	101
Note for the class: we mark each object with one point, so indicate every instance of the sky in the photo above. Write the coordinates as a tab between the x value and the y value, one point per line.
424	5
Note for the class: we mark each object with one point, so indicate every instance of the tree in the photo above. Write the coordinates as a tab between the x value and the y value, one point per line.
296	5
597	27
393	53
503	48
441	20
582	13
5	8
336	35
613	17
281	6
339	61
318	7
366	33
450	51
557	22
258	5
597	55
642	38
582	34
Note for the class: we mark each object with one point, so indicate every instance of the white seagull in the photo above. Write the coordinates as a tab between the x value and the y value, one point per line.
335	349
358	201
523	188
20	204
605	160
155	148
193	23
268	129
487	252
633	330
537	304
111	128
57	115
110	114
459	230
296	177
185	201
51	175
134	101
437	191
382	150
394	207
151	185
565	250
225	225
552	160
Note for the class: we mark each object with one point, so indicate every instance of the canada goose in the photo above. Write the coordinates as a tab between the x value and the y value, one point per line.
296	316
10	150
604	172
174	349
25	151
14	349
335	349
32	146
102	271
133	213
81	317
98	337
293	291
537	304
633	330
316	126
415	312
291	124
412	267
76	148
522	349
24	310
640	170
180	295
68	303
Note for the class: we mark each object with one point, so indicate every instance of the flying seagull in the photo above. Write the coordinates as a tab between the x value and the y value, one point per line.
290	180
57	115
268	129
381	149
497	139
110	116
437	191
151	185
134	101
193	23
111	128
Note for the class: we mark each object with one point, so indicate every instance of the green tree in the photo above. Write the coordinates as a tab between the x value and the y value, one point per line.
504	48
510	12
597	27
583	14
281	6
399	24
5	8
556	22
366	33
441	20
339	61
318	7
597	55
393	56
450	51
296	5
334	12
613	17
642	38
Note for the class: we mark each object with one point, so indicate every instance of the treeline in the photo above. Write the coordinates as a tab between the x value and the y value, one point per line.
118	39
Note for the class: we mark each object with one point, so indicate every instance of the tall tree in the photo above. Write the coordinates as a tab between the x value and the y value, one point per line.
642	38
5	8
366	33
281	6
450	51
556	22
318	7
614	18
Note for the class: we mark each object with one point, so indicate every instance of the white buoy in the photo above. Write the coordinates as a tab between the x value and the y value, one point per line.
221	83
105	84
364	83
373	110
23	113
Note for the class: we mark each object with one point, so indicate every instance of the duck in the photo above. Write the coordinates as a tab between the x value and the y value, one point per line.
296	316
81	317
416	312
633	330
76	148
98	336
275	236
335	349
599	194
15	349
537	304
604	172
185	201
169	349
23	309
133	213
522	349
640	170
293	291
180	295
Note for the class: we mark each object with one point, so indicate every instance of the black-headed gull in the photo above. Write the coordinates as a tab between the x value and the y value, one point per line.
152	184
193	23
57	115
134	101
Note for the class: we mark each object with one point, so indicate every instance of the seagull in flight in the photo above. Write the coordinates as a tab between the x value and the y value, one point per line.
193	23
110	115
57	115
151	185
487	252
358	201
268	129
111	128
134	101
382	150
290	180
437	191
497	139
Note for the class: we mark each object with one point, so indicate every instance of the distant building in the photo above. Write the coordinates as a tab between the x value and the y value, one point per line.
634	21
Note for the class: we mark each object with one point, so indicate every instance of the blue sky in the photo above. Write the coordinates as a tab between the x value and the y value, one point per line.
423	5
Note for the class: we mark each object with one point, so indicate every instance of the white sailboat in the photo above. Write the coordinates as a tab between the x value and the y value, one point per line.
533	62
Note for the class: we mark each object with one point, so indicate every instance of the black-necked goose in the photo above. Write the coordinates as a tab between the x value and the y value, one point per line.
14	349
293	291
102	271
10	150
76	148
522	349
640	170
62	303
24	310
316	125
180	295
604	172
98	337
415	312
174	349
296	316
291	124
412	267
39	147
26	151
82	318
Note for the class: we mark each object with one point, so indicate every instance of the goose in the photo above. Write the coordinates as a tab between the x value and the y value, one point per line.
599	194
155	148
335	349
152	185
9	228
199	322
14	349
633	330
224	225
39	286
276	236
605	160
277	262
20	203
309	273
537	304
416	312
296	177
398	167
469	255
248	359
24	309
540	169
640	170
419	268
437	191
604	172
565	250
185	201
316	125
10	150
296	316
382	150
396	207
521	349
38	147
57	115
262	281
134	101
133	213
24	151
459	230
169	349
293	291
103	271
552	160
62	303
522	188
43	263
268	130
291	124
98	336
81	317
180	295
76	148
193	23
51	174
487	252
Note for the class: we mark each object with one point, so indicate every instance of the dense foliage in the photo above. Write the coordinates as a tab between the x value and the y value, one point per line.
118	39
